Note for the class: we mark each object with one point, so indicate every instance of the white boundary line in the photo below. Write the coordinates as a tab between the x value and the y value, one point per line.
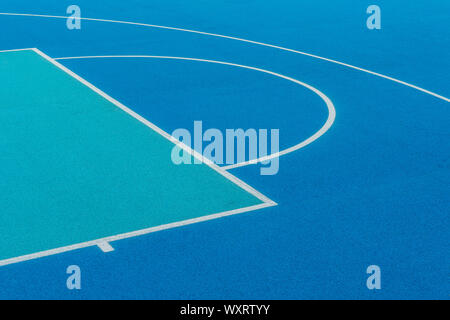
14	50
101	242
243	40
194	153
331	109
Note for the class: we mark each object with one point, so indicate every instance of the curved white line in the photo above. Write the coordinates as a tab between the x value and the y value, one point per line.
243	40
317	135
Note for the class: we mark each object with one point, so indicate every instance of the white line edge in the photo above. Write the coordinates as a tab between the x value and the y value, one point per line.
105	247
14	50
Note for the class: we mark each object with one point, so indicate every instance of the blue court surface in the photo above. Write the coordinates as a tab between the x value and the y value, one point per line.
87	178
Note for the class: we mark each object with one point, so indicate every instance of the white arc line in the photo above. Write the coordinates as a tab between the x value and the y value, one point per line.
243	40
315	136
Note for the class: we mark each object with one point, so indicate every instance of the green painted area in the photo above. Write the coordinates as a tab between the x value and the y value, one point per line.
75	168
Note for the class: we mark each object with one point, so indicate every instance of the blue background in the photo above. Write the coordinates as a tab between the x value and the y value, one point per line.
372	190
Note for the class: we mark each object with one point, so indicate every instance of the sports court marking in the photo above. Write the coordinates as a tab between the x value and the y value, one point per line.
243	40
328	123
194	153
243	193
105	247
101	242
294	148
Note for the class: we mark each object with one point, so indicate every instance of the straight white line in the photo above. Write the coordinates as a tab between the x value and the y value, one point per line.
99	242
331	109
243	40
105	247
14	50
194	153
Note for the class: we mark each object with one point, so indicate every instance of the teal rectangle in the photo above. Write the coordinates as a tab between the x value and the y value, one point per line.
75	168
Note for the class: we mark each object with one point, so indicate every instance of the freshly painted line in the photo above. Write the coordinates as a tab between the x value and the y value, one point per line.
105	247
101	242
98	242
315	136
243	40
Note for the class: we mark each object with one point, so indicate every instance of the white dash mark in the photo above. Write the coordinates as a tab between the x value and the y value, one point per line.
105	246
